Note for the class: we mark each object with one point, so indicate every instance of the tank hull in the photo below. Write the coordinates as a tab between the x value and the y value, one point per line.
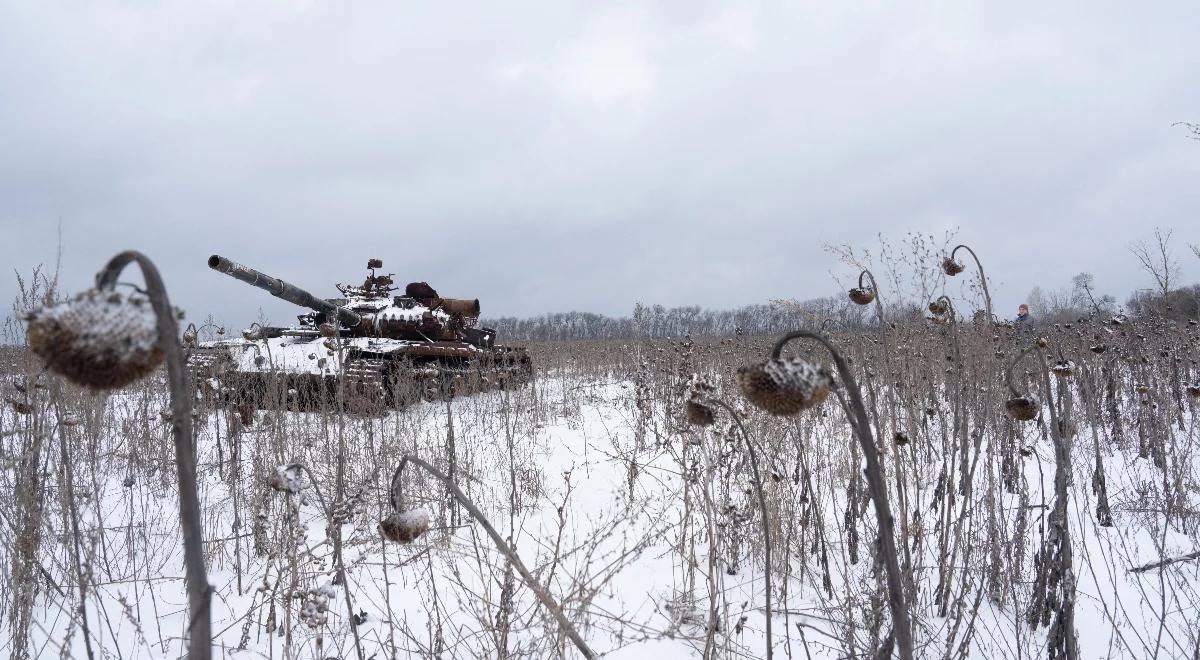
358	375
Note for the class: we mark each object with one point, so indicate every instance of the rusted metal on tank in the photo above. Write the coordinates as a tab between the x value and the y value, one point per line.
420	291
459	306
391	327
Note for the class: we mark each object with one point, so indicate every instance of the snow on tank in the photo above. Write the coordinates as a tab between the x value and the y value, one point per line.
368	341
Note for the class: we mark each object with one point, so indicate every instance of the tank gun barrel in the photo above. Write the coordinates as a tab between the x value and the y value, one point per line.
283	290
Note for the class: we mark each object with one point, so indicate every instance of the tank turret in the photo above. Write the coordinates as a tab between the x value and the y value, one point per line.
370	310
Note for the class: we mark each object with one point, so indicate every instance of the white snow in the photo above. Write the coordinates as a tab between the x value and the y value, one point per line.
302	355
627	570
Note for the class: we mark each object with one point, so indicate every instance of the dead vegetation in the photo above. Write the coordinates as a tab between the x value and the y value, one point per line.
946	486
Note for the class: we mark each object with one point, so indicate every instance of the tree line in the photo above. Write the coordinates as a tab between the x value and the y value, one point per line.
657	321
1062	305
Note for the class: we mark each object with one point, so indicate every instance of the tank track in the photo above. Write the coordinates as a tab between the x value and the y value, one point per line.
368	384
437	382
364	382
202	366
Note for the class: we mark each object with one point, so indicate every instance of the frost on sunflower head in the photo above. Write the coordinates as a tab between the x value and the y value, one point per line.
862	295
1023	408
98	339
784	386
404	526
288	479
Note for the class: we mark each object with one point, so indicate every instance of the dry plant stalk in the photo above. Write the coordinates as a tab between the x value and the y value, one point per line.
101	340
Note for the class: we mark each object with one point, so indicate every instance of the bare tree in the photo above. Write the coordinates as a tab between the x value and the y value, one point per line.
1193	130
1157	259
1037	300
1085	294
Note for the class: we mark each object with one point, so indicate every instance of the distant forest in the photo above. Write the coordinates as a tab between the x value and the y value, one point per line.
656	321
911	270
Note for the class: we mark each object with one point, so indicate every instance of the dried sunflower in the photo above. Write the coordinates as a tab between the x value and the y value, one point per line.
404	527
862	295
1022	408
699	413
98	339
784	386
952	267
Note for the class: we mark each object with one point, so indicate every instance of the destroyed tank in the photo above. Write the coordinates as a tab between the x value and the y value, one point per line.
367	351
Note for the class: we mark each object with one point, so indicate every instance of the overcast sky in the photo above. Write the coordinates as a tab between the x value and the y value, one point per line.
557	156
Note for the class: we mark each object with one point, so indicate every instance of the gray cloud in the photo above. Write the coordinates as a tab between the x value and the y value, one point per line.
580	156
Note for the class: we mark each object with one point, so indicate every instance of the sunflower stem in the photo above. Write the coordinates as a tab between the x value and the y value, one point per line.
198	590
540	591
901	622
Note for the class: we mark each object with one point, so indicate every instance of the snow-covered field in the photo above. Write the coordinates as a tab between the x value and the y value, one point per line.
645	529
